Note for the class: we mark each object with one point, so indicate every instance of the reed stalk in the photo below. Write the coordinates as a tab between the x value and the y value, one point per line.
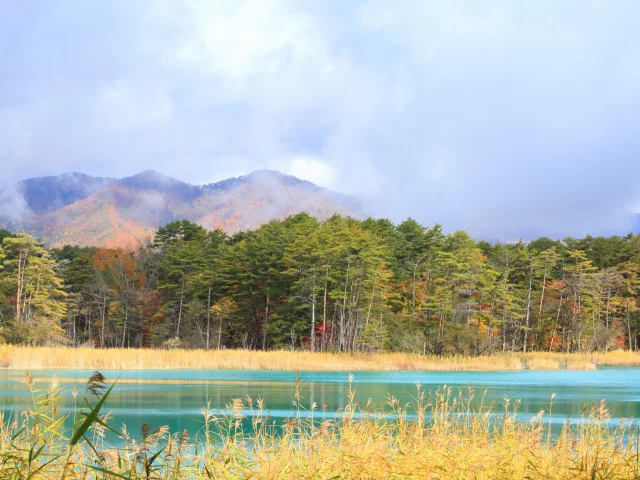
32	358
441	434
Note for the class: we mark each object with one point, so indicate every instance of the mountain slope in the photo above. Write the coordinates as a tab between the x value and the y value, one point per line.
246	202
77	209
41	195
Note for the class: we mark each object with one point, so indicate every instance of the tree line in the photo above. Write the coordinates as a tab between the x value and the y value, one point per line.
341	285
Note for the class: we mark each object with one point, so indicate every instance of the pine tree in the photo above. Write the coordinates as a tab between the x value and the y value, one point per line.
36	288
579	279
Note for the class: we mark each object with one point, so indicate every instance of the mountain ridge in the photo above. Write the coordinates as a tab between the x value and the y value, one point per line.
78	209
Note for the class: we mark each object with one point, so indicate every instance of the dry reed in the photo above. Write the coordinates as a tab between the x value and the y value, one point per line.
19	357
535	363
443	434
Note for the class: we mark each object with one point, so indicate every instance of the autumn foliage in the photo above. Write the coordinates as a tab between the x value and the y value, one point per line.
340	285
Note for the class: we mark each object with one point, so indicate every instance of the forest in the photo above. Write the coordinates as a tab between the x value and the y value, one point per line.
340	285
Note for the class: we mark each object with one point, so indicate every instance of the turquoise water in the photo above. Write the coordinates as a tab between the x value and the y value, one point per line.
175	397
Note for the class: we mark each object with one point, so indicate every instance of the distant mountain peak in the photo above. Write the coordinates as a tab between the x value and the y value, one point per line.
152	180
150	177
265	172
75	208
45	194
275	174
258	176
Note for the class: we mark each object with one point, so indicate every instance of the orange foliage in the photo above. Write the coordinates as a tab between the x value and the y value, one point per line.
119	216
121	262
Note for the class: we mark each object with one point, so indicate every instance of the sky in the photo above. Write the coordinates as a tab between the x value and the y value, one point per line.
504	118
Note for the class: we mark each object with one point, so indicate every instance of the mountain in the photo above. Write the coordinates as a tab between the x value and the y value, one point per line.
78	209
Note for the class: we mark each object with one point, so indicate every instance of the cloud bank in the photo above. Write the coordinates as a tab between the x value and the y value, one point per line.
502	118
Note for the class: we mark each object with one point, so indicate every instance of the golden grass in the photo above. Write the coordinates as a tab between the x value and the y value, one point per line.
18	357
128	359
617	358
535	363
443	435
584	361
580	365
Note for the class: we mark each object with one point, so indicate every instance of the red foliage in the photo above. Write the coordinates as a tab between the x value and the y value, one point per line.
621	339
150	309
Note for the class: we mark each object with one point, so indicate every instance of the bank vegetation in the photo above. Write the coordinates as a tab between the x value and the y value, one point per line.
442	434
33	358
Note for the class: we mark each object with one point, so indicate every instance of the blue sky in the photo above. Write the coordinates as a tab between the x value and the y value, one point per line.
504	118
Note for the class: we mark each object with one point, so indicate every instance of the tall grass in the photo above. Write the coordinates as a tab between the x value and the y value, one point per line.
443	434
583	361
19	357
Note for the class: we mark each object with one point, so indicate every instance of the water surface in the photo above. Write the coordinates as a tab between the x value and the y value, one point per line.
175	397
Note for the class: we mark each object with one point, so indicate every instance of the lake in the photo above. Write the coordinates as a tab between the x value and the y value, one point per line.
175	397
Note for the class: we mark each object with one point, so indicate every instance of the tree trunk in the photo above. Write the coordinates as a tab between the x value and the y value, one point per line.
266	316
104	309
528	313
629	323
366	325
413	295
342	340
208	320
313	312
20	280
324	310
544	285
124	329
579	318
555	327
180	309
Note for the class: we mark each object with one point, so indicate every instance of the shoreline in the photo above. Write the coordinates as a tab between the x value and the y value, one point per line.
46	358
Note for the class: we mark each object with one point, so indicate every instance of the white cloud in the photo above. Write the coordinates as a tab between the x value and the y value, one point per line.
124	107
313	170
441	110
242	42
13	206
15	138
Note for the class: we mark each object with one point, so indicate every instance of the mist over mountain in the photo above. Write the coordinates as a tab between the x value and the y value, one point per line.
78	209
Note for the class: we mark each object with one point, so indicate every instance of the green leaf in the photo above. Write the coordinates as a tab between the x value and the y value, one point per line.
91	418
104	470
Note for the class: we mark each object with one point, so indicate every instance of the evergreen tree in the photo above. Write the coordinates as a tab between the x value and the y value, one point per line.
36	287
337	285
